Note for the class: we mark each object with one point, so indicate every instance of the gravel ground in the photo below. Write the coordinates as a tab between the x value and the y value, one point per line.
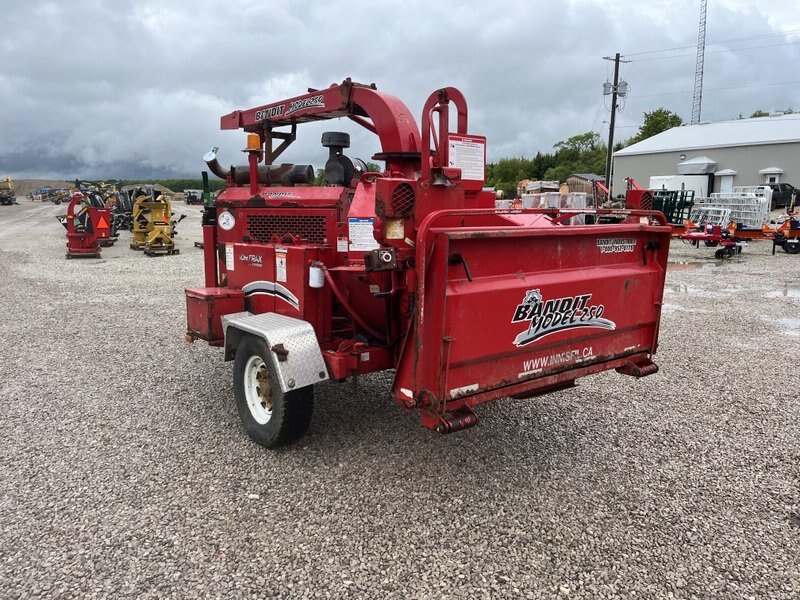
125	472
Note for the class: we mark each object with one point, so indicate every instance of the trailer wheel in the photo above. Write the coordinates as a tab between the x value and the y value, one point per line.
711	243
720	254
792	247
270	417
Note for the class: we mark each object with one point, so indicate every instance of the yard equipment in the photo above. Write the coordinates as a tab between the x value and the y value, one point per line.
106	230
152	224
193	196
747	208
7	194
47	194
675	204
123	209
787	235
636	196
87	226
713	235
411	269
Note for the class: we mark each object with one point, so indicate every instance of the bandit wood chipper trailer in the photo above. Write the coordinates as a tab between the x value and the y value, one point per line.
411	270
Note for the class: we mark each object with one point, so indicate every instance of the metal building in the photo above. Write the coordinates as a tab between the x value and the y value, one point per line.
741	152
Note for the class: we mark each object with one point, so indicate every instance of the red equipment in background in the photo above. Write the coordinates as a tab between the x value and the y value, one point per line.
786	235
713	235
411	269
636	197
88	226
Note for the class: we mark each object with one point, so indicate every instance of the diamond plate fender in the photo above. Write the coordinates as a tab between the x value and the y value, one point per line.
293	344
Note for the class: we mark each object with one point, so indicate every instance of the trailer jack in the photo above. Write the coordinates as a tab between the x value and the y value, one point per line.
451	421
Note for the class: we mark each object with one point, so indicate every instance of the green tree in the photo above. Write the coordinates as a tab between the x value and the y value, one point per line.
582	153
654	123
578	145
507	172
176	185
759	113
541	162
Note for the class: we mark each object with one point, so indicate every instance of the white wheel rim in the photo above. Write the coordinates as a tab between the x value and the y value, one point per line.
258	390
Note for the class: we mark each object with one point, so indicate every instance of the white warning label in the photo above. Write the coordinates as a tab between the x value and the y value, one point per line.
280	267
229	262
468	153
361	236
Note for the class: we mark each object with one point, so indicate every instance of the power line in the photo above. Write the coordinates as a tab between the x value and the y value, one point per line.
719	89
742	39
756	85
719	51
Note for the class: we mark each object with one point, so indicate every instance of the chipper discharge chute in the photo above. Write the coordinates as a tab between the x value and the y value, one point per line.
410	269
152	225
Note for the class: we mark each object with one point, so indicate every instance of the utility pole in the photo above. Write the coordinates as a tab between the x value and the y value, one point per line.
617	89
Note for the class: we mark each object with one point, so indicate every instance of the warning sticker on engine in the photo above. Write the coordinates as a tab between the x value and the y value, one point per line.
361	236
229	262
280	266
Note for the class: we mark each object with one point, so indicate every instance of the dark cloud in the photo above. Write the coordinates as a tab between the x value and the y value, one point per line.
136	88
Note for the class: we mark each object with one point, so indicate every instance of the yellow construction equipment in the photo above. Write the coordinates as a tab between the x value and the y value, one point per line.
7	195
152	225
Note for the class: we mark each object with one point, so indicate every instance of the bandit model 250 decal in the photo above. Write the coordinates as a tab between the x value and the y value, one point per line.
559	314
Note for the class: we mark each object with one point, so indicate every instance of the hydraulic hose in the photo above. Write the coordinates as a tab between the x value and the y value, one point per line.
340	297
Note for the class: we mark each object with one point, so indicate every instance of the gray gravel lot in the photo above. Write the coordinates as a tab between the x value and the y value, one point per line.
125	472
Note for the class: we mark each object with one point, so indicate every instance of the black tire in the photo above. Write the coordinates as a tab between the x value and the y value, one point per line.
720	253
270	417
792	247
711	243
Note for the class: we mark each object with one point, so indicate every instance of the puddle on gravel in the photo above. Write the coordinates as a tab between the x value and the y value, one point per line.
682	265
668	309
700	292
790	326
681	288
790	290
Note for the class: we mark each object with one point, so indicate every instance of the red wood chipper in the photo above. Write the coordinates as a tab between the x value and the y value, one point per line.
88	224
411	269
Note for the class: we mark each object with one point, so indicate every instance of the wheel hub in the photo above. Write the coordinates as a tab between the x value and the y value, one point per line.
258	389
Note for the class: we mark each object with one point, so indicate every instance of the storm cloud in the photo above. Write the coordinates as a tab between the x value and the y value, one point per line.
135	88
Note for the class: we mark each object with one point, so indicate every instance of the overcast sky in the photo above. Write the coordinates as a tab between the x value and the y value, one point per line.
135	88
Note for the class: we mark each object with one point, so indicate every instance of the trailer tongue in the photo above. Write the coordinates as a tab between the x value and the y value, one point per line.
411	269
